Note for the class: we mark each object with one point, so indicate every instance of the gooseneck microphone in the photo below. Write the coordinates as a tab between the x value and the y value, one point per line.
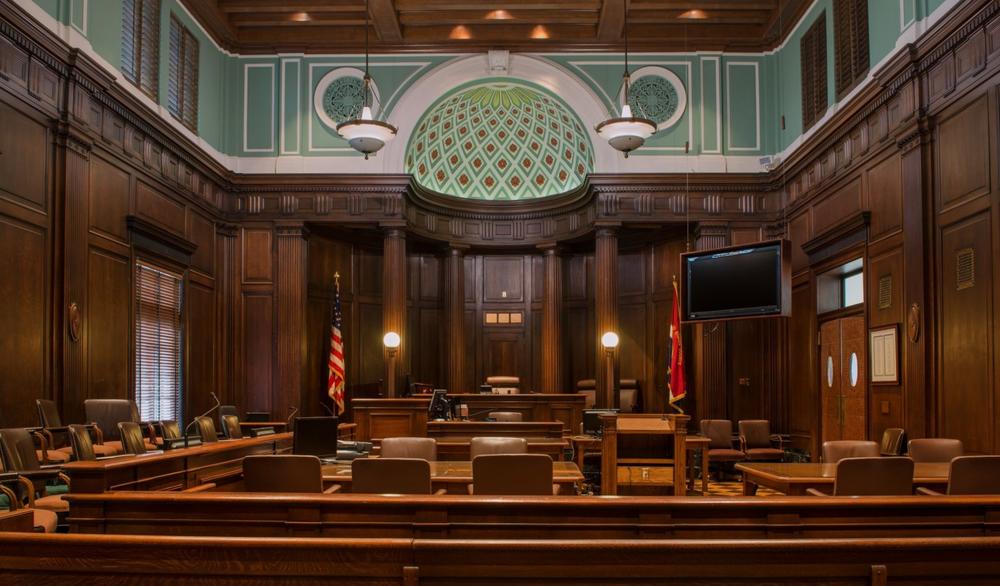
328	410
291	415
205	414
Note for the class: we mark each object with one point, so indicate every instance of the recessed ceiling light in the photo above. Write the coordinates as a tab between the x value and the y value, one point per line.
539	32
498	15
694	14
300	17
460	32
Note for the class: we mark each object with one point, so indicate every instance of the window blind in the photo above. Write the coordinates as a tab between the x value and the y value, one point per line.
850	33
182	80
141	44
158	343
814	92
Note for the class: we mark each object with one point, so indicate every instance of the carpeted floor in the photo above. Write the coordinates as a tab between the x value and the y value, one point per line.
732	488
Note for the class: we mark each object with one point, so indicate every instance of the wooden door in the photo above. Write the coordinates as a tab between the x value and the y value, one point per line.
843	375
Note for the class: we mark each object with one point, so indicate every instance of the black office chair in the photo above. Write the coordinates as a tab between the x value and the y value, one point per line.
227	410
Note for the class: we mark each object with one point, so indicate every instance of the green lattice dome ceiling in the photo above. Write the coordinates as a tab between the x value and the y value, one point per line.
500	141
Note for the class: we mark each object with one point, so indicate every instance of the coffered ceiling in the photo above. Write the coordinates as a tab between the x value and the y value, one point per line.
314	26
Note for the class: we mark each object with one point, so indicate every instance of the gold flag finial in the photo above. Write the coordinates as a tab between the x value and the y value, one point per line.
336	278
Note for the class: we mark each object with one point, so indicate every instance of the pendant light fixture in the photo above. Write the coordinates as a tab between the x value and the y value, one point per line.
366	134
626	132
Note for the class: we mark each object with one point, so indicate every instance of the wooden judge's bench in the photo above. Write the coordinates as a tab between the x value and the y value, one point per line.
548	419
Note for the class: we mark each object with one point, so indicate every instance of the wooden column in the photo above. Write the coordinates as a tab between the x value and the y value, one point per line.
606	312
228	298
394	304
710	343
454	340
552	338
290	294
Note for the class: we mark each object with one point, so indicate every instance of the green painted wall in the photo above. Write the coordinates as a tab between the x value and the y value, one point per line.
264	106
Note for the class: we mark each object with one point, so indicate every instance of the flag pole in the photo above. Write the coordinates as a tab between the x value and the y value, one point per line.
674	317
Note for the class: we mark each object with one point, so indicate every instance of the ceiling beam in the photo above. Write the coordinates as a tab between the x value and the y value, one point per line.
612	21
384	19
257	6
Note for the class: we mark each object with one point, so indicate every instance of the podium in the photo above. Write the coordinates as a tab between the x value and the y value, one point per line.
643	452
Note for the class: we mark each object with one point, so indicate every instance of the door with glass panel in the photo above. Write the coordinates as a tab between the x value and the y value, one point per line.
843	374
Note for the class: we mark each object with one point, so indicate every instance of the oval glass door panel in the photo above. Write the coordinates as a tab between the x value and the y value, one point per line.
829	371
854	369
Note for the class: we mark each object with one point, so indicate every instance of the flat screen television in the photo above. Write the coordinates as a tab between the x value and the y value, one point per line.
753	280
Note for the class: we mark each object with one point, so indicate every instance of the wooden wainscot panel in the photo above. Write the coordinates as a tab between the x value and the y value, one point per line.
201	231
837	206
258	357
885	288
107	322
885	197
748	235
44	84
966	386
799	231
503	279
964	155
993	37
109	199
257	255
24	159
24	315
113	129
941	79
14	63
970	56
201	336
156	207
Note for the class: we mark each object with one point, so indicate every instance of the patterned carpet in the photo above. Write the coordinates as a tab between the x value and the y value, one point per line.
731	488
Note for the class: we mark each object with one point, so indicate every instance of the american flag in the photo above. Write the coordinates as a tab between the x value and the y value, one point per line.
335	382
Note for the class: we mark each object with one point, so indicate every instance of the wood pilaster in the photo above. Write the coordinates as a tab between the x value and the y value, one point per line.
394	304
291	292
606	312
455	319
552	338
711	393
228	296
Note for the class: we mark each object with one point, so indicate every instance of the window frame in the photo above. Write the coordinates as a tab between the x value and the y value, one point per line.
183	81
815	95
145	43
180	273
849	72
843	288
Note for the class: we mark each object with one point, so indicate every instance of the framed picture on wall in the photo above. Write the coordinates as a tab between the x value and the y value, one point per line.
883	344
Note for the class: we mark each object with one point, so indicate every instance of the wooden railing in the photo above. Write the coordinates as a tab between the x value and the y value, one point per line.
576	517
118	559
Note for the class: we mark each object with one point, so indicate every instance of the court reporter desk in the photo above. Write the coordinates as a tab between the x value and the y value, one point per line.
179	469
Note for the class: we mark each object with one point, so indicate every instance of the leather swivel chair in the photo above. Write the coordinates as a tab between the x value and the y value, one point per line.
206	430
837	450
588	388
512	474
872	476
284	473
935	449
106	414
508	416
131	438
481	446
83	446
55	433
971	475
893	442
391	476
19	456
629	397
758	443
423	448
227	410
170	430
231	427
12	485
505	385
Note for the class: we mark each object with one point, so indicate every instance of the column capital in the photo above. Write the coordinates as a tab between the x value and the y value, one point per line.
549	248
227	230
291	230
458	249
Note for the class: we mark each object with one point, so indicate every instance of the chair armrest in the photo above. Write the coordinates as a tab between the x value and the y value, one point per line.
332	489
440	491
64	478
743	443
11	498
815	492
781	439
44	474
29	488
97	431
924	491
201	487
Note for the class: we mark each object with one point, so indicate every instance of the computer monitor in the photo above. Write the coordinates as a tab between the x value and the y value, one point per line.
592	420
315	436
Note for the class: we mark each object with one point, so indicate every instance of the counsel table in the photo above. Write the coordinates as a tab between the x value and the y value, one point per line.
455	476
178	469
795	478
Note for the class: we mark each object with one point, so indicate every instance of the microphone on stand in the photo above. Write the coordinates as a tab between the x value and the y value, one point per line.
205	414
328	410
288	420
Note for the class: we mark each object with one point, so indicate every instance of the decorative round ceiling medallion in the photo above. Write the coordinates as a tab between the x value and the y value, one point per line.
339	96
500	140
658	94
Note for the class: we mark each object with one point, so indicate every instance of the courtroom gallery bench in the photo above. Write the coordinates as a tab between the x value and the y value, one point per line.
120	559
537	517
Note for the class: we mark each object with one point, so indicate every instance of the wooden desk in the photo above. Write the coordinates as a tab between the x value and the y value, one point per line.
796	478
588	443
279	426
179	469
381	418
456	476
654	429
454	437
19	521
